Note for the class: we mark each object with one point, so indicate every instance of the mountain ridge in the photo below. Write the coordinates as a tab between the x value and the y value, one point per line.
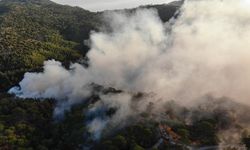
28	1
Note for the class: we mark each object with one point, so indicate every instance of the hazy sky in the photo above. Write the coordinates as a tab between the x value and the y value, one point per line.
98	5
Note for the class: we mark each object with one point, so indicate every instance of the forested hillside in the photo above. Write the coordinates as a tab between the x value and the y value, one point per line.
34	31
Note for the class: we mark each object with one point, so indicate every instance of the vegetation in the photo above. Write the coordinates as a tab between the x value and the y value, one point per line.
29	124
33	31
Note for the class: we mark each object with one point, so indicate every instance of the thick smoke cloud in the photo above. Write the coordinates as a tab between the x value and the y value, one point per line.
205	51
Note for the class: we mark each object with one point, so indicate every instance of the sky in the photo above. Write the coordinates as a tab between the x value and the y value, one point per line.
99	5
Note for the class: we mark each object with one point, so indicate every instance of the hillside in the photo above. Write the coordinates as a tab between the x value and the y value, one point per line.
32	31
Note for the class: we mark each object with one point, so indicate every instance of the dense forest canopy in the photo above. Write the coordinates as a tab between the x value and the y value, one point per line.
34	31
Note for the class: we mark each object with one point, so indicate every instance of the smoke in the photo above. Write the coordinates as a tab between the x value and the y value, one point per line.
232	119
204	51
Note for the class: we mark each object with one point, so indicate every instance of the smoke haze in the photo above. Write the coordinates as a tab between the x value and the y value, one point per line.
204	51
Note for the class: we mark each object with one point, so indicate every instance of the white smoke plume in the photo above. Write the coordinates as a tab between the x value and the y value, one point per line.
205	50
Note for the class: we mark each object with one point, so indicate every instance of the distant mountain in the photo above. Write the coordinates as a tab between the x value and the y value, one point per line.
28	1
32	31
